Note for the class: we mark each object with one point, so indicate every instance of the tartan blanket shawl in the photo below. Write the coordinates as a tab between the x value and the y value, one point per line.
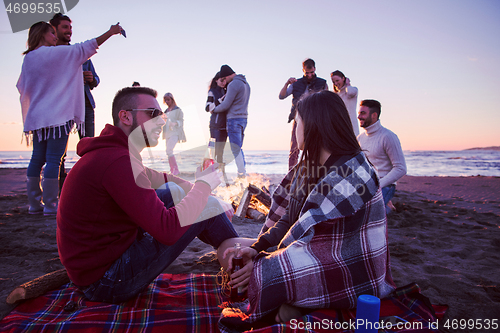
336	251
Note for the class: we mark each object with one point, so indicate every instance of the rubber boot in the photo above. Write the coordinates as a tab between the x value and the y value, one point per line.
34	195
224	175
173	165
62	177
50	198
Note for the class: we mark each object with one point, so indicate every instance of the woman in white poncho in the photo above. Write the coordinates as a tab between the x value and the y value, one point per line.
52	102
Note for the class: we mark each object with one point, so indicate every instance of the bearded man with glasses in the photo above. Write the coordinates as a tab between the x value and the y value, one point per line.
120	224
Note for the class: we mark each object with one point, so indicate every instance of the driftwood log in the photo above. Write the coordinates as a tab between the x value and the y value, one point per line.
38	286
241	211
255	214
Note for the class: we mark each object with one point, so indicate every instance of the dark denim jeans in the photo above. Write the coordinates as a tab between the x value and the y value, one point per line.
147	258
236	133
89	125
293	156
388	193
50	151
220	136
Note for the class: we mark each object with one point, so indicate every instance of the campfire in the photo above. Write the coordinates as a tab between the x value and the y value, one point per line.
249	196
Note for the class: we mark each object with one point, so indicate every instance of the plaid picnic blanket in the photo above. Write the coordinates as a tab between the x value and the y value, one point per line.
172	303
175	303
407	308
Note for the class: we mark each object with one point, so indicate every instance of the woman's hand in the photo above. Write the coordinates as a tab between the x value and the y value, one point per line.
173	125
241	277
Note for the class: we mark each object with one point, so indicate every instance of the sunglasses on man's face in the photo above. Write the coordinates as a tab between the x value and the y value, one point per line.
153	112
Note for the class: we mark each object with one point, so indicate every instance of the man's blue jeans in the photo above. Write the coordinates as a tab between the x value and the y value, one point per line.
236	133
50	151
388	193
89	125
147	258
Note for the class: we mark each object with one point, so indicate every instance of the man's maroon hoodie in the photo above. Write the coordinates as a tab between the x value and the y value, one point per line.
106	197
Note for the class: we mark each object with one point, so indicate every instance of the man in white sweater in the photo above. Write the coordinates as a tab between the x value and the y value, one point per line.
382	148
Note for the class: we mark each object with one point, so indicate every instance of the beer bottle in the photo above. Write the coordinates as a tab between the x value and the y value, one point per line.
237	294
208	160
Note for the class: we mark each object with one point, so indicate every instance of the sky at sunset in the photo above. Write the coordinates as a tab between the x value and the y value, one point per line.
433	64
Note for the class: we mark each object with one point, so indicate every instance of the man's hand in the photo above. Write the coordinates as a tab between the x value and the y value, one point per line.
290	81
211	175
116	29
88	77
347	82
113	30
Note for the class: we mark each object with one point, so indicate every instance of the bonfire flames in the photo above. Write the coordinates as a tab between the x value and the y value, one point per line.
257	185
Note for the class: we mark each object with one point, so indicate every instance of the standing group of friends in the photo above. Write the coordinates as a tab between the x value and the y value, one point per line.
120	224
380	144
227	101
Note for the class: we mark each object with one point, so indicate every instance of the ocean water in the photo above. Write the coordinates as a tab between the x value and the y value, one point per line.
419	163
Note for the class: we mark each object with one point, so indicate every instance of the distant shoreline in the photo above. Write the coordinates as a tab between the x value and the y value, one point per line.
496	148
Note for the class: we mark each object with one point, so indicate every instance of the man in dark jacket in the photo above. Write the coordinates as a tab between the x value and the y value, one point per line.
308	83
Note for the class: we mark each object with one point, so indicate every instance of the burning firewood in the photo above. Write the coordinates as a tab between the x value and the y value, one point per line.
262	196
254	203
241	211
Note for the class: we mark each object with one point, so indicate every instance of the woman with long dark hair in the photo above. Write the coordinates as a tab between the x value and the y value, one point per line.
52	102
328	222
218	128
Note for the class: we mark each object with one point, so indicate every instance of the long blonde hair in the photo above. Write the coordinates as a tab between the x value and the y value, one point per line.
36	35
171	96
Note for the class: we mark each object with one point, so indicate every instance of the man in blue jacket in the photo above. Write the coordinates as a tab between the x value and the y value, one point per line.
64	31
62	25
236	105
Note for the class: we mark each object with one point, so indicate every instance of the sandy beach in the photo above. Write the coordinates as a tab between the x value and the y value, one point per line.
445	235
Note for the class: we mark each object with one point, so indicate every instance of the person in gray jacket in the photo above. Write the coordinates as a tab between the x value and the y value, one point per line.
236	104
